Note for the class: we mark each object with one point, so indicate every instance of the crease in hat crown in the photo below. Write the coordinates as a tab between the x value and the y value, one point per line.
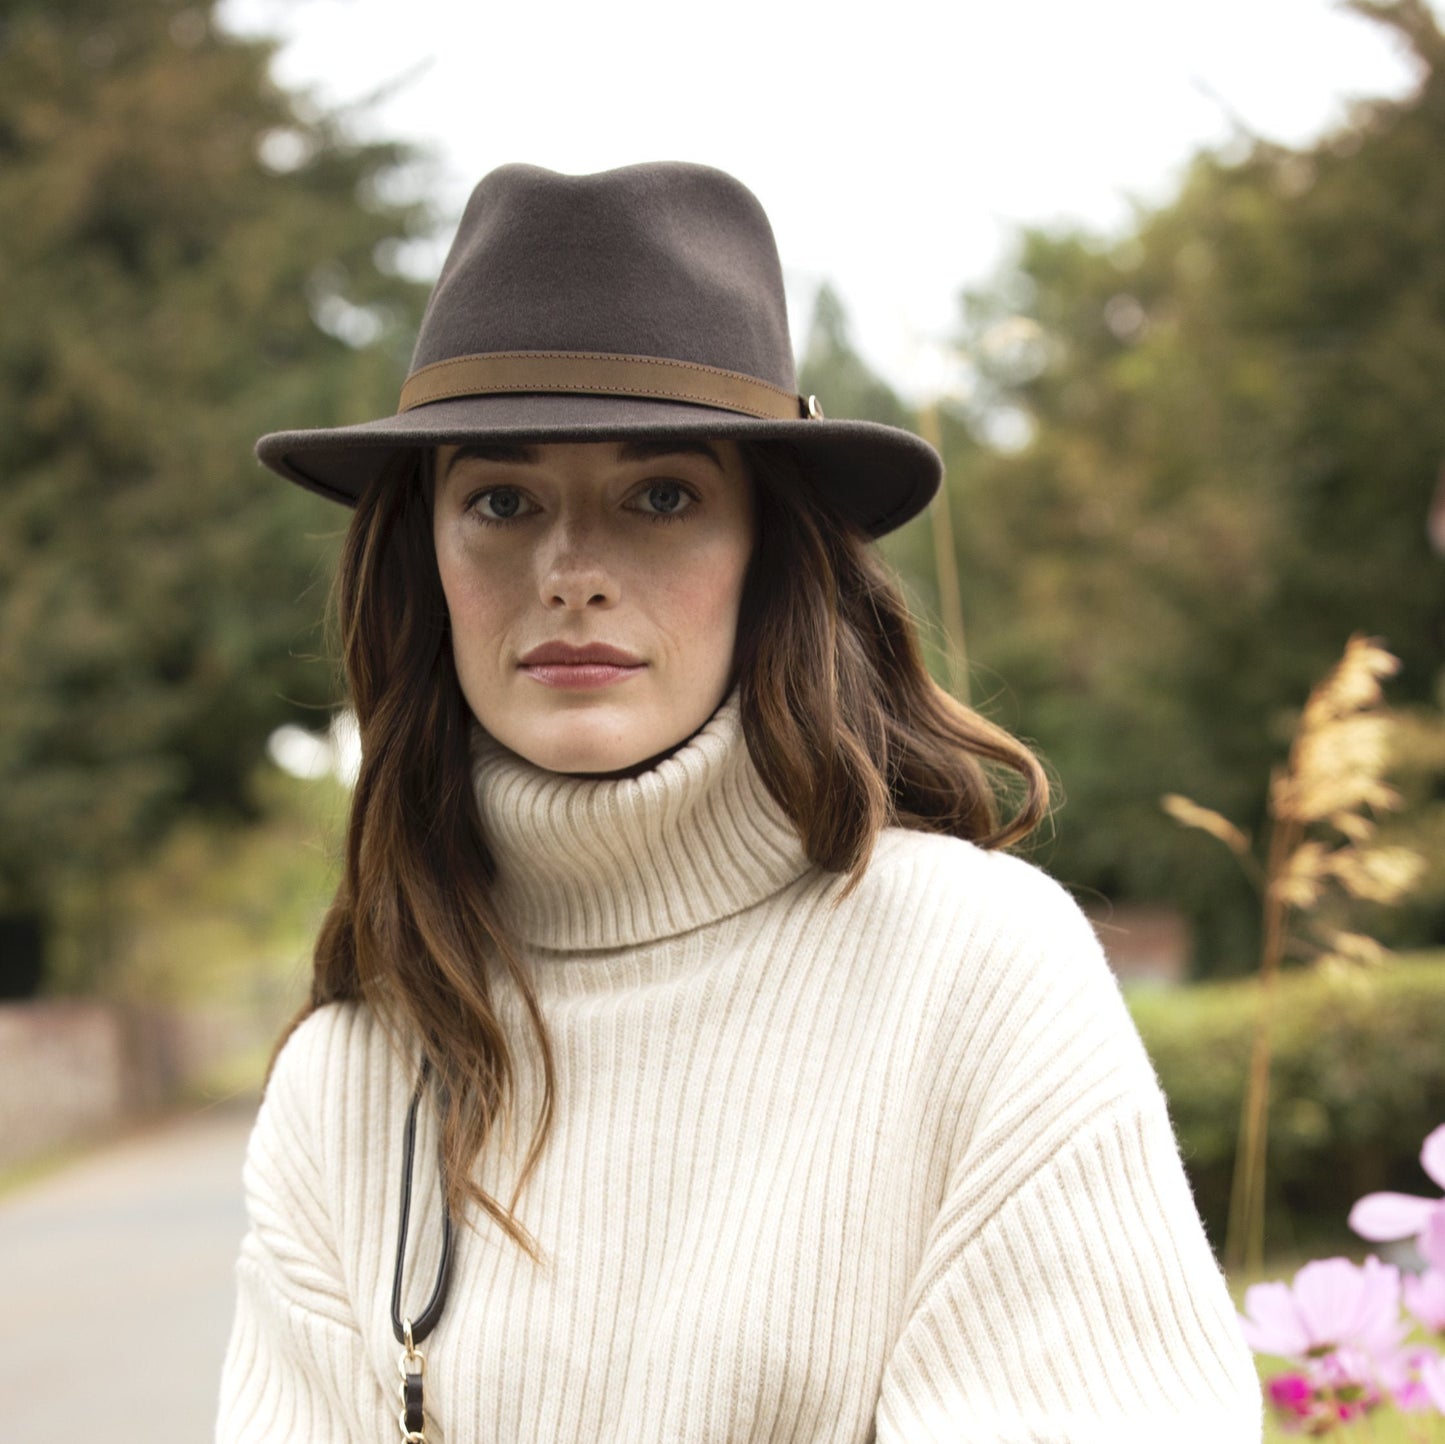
644	300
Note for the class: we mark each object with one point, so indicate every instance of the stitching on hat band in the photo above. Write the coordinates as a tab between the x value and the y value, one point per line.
600	373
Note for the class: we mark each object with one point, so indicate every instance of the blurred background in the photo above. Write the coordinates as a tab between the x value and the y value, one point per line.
1165	284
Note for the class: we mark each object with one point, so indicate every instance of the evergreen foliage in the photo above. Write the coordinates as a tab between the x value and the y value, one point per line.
190	258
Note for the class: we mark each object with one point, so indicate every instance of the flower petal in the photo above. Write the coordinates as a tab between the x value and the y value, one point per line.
1401	1377
1432	1239
1349	1306
1271	1323
1425	1298
1381	1216
1330	1295
1432	1155
1432	1375
1379	1330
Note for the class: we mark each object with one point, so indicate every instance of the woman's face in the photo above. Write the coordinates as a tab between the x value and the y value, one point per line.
640	546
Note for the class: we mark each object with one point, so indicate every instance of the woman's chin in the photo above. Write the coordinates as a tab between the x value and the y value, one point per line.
600	733
597	740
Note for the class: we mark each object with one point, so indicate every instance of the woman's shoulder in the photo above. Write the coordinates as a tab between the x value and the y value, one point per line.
990	930
971	886
325	1051
337	1086
1017	984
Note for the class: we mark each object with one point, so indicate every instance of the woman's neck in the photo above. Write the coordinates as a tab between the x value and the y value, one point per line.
598	861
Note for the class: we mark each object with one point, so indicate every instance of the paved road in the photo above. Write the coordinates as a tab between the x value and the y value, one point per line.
116	1289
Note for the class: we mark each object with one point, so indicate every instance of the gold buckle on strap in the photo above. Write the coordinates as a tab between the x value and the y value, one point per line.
604	374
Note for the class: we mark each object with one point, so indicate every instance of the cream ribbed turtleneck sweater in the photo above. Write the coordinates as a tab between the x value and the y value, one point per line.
895	1170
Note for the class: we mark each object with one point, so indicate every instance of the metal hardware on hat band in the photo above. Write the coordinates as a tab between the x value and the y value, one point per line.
814	409
603	374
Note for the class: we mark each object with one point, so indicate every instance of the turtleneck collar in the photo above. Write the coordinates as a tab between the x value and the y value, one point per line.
600	863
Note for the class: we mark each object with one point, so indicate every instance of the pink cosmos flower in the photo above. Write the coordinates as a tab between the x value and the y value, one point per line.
1432	1241
1333	1304
1404	1377
1425	1298
1381	1216
1292	1395
1432	1376
1345	1384
1328	1391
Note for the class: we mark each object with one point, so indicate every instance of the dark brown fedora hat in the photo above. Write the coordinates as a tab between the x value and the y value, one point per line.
642	301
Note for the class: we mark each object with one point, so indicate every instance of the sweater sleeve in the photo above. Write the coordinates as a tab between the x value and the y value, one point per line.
1067	1292
296	1366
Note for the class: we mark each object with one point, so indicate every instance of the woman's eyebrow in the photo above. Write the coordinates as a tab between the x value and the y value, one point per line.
517	452
492	451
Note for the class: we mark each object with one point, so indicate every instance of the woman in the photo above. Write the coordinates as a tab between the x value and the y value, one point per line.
667	853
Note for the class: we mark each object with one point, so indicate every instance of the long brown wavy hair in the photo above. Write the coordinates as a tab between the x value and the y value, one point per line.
845	725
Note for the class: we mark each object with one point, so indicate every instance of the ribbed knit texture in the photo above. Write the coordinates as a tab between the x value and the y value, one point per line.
895	1169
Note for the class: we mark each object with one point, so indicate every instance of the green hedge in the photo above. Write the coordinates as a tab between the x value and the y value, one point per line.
1358	1081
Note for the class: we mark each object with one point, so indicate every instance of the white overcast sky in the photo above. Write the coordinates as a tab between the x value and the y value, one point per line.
895	147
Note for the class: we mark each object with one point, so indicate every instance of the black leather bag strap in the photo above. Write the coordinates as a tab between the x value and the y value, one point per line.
425	1321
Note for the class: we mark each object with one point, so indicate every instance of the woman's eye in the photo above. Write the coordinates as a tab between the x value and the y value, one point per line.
661	501
666	500
498	504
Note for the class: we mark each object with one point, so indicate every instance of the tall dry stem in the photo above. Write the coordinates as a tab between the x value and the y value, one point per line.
1333	779
1244	1246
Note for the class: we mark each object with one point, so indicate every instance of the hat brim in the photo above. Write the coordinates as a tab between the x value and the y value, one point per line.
881	475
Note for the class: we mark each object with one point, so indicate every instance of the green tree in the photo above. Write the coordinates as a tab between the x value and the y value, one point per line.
190	257
1234	429
847	386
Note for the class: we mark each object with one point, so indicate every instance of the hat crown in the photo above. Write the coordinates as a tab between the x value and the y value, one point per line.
667	258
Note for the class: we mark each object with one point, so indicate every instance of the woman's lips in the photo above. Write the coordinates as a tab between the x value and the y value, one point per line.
579	674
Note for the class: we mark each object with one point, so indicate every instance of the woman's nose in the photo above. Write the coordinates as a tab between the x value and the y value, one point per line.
576	569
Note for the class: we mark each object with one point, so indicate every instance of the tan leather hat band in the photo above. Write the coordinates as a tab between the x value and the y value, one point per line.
603	374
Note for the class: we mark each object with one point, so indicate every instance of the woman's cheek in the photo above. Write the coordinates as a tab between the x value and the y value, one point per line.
705	593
